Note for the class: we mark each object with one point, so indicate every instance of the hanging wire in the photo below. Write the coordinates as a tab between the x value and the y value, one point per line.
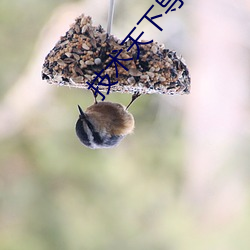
110	16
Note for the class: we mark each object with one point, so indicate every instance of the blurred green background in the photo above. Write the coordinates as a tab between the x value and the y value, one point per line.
180	182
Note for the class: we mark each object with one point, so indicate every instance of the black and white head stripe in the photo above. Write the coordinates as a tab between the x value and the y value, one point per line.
88	135
82	134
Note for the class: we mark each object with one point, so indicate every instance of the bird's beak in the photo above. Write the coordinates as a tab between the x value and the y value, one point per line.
82	115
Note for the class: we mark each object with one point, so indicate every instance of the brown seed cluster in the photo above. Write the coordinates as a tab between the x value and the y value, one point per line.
85	49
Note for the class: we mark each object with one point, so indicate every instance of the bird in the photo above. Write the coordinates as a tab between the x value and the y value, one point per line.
104	124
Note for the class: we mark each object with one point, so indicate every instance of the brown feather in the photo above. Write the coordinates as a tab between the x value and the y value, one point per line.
111	117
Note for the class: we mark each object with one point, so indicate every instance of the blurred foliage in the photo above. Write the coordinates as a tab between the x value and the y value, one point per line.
20	23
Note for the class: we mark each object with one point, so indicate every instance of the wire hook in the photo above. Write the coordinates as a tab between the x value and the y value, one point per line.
110	16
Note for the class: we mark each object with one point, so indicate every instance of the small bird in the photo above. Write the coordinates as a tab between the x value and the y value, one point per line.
104	124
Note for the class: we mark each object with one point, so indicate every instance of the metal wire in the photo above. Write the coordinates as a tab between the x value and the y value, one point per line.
110	16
